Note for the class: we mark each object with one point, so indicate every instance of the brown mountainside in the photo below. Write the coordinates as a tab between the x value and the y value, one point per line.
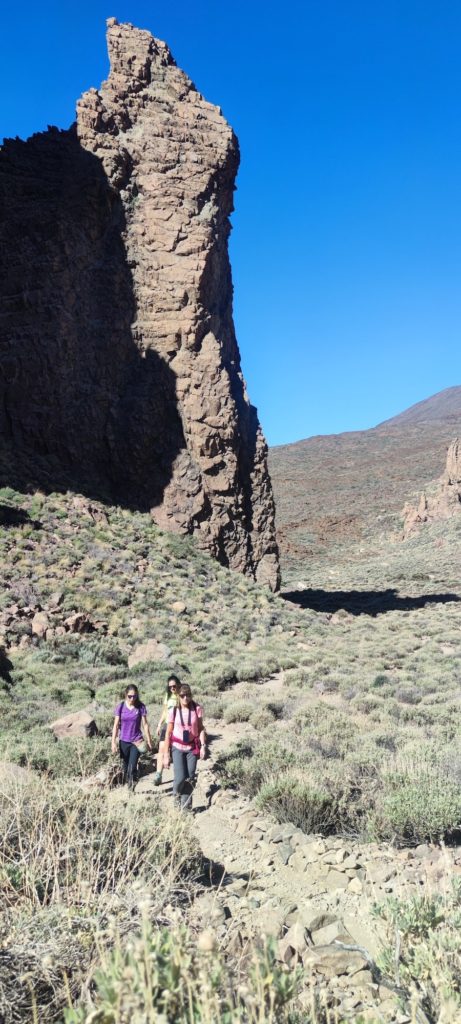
119	367
339	495
445	405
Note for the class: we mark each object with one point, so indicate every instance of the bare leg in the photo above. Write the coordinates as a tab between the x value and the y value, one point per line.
158	774
161	749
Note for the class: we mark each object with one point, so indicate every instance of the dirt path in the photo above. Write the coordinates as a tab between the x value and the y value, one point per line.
262	889
308	892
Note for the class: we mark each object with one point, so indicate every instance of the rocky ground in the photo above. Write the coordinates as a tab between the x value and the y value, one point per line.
347	698
340	496
314	895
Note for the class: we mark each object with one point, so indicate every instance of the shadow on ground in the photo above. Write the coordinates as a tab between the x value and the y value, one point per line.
363	602
10	516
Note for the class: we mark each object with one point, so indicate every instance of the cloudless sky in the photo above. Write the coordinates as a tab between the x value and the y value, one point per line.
346	242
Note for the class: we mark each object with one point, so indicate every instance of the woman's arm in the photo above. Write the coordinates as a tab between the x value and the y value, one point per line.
115	734
161	720
203	738
146	732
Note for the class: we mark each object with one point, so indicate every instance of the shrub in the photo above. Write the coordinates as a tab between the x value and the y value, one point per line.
418	803
426	958
48	953
60	844
239	711
306	804
73	873
261	718
380	680
67	758
162	975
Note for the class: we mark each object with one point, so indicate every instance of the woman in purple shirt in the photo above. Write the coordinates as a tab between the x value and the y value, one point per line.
131	730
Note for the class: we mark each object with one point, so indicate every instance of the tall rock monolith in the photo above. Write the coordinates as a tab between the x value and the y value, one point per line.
120	370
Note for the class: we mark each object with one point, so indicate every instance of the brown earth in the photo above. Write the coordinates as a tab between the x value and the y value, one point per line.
339	496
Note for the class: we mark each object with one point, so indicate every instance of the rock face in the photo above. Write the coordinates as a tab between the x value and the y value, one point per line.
444	502
120	371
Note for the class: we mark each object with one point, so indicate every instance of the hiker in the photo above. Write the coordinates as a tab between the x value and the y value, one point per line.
131	733
171	700
187	737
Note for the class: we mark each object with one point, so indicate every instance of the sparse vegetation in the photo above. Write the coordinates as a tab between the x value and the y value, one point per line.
360	738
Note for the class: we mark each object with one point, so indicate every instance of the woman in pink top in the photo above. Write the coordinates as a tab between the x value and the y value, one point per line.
186	737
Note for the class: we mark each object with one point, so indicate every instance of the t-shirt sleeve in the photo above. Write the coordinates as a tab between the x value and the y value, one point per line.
118	710
199	711
170	718
143	711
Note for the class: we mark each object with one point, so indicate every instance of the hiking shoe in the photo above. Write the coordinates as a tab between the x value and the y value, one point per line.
157	778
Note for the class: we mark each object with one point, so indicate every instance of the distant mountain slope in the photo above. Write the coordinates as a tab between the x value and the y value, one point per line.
443	406
340	496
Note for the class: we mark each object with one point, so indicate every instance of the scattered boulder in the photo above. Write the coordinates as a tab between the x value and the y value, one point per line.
78	723
331	933
79	622
152	650
178	607
331	961
293	944
40	624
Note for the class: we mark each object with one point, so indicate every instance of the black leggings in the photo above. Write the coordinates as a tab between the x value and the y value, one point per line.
129	754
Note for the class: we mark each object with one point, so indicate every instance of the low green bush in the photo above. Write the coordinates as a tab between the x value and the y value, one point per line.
418	802
423	950
305	804
238	711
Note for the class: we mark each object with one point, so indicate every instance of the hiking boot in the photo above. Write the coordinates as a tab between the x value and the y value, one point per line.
157	778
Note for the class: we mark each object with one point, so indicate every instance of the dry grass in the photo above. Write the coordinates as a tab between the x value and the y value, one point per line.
73	872
365	738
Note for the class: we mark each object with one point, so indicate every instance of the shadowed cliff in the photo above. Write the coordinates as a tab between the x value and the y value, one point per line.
96	413
120	371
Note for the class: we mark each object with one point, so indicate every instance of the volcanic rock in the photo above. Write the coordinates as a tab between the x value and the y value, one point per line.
78	723
120	373
151	650
444	502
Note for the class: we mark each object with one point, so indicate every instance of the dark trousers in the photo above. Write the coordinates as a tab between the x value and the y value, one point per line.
184	765
129	754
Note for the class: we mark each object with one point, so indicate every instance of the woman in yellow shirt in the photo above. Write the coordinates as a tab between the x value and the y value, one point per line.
171	700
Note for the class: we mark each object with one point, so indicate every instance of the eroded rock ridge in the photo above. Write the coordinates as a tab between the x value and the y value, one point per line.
443	501
120	370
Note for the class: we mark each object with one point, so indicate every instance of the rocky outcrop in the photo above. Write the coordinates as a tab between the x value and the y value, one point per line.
444	501
78	723
120	367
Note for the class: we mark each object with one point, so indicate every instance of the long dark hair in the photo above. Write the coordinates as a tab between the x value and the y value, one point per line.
136	702
169	680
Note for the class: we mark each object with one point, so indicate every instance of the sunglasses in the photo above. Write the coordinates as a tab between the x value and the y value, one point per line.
172	686
131	696
185	696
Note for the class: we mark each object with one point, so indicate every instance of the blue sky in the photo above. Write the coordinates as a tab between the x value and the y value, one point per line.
346	242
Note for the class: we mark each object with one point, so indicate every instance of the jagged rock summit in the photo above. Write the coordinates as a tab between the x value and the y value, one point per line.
444	501
120	371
